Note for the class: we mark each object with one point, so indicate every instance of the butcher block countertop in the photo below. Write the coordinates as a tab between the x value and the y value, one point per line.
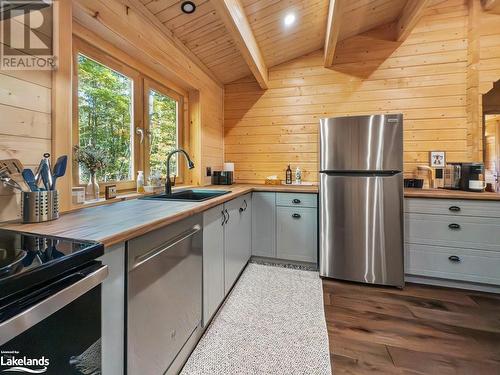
121	221
450	194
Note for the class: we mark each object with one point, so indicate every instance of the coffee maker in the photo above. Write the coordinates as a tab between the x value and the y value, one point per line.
472	177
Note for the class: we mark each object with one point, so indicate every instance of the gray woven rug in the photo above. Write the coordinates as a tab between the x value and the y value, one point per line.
272	323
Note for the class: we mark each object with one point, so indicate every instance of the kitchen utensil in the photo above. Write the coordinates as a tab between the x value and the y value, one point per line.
29	177
46	158
19	180
12	165
10	183
45	176
59	170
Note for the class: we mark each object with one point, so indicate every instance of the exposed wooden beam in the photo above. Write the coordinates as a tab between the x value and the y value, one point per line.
492	6
411	14
233	15
332	30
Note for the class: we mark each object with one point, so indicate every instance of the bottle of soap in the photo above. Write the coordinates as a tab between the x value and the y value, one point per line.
288	180
298	176
140	182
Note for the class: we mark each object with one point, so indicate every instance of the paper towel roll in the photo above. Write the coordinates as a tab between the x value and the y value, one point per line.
229	167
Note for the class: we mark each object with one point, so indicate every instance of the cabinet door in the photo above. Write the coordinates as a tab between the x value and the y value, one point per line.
237	238
297	231
264	224
213	261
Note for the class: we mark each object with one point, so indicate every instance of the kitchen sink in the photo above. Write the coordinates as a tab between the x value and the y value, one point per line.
188	195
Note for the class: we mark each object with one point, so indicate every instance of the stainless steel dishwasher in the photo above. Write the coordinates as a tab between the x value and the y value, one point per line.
164	293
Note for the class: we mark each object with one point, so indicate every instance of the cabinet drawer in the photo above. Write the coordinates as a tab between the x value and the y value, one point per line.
464	232
453	207
296	237
297	200
465	264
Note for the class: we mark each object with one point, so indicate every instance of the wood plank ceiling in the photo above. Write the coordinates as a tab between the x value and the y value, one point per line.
206	35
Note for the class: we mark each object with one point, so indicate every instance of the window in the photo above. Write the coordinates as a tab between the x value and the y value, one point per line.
105	113
163	120
134	120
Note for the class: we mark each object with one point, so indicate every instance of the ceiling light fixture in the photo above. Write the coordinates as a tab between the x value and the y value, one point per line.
188	7
289	19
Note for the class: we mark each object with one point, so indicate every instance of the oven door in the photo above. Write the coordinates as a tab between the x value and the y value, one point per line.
55	329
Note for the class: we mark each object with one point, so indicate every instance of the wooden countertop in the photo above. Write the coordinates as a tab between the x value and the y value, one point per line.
118	222
450	194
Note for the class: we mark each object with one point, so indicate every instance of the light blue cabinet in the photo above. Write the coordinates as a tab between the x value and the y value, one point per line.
296	233
213	261
285	226
237	238
263	224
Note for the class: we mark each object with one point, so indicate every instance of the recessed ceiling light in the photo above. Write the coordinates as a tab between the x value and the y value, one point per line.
188	7
289	19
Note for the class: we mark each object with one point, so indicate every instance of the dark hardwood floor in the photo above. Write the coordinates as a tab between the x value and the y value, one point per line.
420	330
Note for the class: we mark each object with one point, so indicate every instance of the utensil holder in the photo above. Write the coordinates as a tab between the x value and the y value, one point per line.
39	206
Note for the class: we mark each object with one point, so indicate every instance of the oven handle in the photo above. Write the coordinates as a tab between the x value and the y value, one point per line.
141	259
42	310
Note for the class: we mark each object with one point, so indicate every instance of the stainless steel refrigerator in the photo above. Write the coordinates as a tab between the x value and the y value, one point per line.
361	199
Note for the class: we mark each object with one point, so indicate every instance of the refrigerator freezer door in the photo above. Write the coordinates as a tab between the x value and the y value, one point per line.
361	228
362	143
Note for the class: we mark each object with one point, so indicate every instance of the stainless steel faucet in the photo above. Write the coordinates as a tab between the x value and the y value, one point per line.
190	164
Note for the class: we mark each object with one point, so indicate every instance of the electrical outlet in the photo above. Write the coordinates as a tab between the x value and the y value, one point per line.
209	171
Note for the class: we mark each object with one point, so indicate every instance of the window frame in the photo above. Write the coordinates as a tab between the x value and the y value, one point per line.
140	103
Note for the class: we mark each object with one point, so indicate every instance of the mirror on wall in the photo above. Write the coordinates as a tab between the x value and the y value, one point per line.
491	135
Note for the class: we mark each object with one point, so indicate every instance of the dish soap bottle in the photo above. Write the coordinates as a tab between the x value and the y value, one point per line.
288	180
140	182
298	176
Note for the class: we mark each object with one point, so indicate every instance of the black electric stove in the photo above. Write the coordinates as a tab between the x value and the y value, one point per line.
50	304
28	260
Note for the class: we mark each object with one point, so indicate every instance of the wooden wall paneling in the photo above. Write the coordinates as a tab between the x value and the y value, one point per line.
233	15
411	14
363	15
25	129
424	77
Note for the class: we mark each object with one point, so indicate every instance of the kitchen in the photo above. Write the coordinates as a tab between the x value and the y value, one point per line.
253	92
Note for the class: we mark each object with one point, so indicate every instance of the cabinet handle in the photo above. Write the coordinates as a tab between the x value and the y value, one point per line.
296	201
223	218
454	208
296	216
227	217
246	206
454	258
454	226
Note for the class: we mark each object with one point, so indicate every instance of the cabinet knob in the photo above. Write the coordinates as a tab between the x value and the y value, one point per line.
454	209
454	226
296	201
454	258
296	216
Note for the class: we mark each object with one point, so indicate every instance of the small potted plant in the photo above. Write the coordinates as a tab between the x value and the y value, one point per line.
91	159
